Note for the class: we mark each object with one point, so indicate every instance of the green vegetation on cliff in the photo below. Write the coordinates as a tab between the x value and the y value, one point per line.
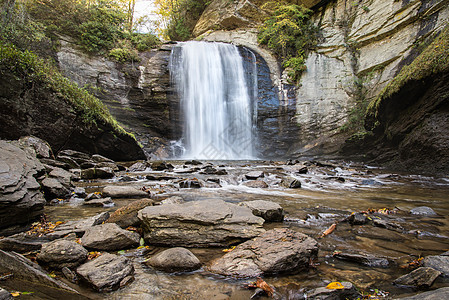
433	60
289	34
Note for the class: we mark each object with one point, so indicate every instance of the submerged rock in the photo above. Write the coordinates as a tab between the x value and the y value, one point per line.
364	259
257	184
175	260
276	251
62	253
254	175
291	183
173	200
423	211
358	219
190	184
269	211
107	272
102	202
199	224
109	236
421	278
127	215
348	292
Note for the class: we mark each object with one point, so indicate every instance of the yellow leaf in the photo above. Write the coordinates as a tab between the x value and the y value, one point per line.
15	294
229	250
335	286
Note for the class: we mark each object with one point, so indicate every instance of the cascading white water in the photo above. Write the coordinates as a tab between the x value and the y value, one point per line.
217	104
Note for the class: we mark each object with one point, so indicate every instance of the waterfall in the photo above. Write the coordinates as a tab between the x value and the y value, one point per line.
217	100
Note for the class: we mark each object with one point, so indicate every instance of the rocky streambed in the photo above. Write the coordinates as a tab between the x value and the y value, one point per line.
207	230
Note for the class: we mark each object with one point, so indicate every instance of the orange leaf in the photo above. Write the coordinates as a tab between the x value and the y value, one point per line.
335	286
329	230
15	294
260	283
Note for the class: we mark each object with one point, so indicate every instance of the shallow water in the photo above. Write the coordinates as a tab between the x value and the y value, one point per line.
323	199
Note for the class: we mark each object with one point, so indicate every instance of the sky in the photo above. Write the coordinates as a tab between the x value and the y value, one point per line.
145	7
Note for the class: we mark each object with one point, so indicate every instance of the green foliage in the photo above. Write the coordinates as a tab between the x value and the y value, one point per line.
433	60
289	34
144	42
29	68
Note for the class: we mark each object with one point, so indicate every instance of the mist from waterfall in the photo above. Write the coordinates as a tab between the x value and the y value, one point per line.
217	98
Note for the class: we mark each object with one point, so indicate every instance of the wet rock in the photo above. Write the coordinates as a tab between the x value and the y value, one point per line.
363	259
193	162
55	163
336	178
53	188
302	170
421	278
423	211
160	177
109	236
209	170
20	198
438	262
269	211
23	242
358	219
78	227
388	225
175	260
161	166
123	192
63	176
127	215
97	173
42	148
190	184
199	224
92	196
70	275
105	164
106	272
80	192
210	184
5	295
69	161
88	165
25	269
126	178
100	158
348	292
276	251
371	182
102	202
256	184
138	167
290	183
62	253
173	200
74	154
439	294
254	175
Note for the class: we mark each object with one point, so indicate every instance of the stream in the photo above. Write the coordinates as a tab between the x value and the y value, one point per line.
330	192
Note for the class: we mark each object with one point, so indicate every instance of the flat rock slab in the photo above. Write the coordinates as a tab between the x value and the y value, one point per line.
124	192
107	272
127	215
102	202
25	269
199	224
268	210
422	278
78	227
348	292
109	236
62	253
363	259
276	251
438	262
23	242
254	175
256	184
439	294
175	260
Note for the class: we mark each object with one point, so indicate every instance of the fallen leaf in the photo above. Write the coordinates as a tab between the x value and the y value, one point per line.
335	286
329	230
229	249
15	294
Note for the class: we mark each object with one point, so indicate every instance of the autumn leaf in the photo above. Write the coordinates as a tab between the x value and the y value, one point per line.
15	294
329	230
260	283
335	286
229	249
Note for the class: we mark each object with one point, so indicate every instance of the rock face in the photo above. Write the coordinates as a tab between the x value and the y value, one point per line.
199	223
275	251
20	198
109	236
62	253
106	272
175	260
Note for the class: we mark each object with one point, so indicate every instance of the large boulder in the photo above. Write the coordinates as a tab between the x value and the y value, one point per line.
20	198
175	260
109	236
268	210
199	224
127	215
62	253
107	272
42	148
438	262
276	251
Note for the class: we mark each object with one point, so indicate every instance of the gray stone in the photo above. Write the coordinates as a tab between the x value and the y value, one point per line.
291	183
123	192
62	253
20	198
102	202
173	200
138	167
423	211
97	173
439	294
268	210
161	166
55	163
358	219
175	260
127	215
199	223
254	175
100	158
421	278
23	242
256	184
70	275
42	148
364	259
276	251
78	227
5	295
25	269
348	292
63	176
191	184
438	262
105	273
109	236
53	188
80	192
